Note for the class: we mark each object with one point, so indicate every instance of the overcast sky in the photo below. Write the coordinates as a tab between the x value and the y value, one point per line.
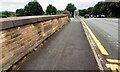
12	5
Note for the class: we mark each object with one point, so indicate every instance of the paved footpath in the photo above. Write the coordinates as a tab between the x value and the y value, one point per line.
67	49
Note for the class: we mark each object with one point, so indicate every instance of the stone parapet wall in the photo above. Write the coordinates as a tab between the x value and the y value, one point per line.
18	36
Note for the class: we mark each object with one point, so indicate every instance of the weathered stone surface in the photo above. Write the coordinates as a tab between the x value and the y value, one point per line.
6	23
21	35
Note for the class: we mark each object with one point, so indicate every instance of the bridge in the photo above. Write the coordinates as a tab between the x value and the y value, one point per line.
54	42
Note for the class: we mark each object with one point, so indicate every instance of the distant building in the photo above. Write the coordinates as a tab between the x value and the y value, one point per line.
76	13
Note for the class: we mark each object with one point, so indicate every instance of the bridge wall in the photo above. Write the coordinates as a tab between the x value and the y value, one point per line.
20	35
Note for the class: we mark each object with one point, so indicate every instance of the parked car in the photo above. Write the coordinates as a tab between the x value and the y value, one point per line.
86	16
91	16
102	16
98	16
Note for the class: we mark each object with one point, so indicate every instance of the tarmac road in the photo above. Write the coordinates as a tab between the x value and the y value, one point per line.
107	31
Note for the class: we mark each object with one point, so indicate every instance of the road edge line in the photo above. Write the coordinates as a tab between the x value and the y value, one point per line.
92	47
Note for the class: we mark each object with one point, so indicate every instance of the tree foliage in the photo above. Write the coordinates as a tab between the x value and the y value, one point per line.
71	8
109	9
97	7
89	10
32	8
83	12
60	11
6	14
51	10
20	12
113	9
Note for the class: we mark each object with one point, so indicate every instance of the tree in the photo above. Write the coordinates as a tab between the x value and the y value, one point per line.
89	10
103	10
60	11
109	9
54	10
83	12
97	7
20	12
7	13
113	9
33	8
51	10
71	8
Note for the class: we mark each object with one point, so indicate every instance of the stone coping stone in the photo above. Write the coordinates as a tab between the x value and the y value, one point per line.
6	23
